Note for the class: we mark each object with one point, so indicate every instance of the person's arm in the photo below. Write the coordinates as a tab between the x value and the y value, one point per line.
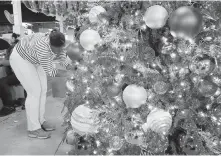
46	61
64	60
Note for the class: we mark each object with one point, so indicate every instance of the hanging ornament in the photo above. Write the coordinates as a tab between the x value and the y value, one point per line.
158	121
155	17
135	137
207	88
89	38
84	120
74	51
160	87
70	138
94	12
113	89
70	86
185	22
116	143
202	65
134	96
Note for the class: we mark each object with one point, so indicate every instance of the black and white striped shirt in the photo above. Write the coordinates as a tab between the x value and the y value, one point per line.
36	49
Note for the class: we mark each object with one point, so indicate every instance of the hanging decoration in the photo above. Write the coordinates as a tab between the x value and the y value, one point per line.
134	96
185	22
89	38
155	17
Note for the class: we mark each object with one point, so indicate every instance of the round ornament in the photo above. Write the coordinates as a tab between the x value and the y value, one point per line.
202	65
84	120
160	87
114	89
74	51
158	121
115	143
89	38
94	12
155	17
185	22
70	86
70	138
134	96
207	88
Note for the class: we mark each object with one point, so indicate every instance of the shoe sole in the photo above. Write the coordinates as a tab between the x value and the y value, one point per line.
52	129
35	136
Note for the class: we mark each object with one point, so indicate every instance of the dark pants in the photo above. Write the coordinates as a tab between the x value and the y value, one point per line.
5	93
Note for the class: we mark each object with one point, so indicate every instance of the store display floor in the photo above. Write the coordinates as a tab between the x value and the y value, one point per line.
13	134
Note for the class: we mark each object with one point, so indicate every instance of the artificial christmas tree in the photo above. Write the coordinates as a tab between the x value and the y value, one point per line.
172	77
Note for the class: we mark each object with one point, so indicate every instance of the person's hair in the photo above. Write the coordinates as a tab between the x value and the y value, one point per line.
15	35
57	39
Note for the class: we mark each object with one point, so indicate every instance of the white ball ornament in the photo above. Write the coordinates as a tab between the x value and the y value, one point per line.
134	96
155	17
158	121
94	12
89	38
84	120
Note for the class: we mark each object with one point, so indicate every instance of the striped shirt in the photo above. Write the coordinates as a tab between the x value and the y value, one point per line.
36	49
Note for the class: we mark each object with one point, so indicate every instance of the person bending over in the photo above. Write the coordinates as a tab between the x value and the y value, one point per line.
32	60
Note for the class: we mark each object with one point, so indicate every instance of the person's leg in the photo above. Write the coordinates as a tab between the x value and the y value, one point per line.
28	76
43	79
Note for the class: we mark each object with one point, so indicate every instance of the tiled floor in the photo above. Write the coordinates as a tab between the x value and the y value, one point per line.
13	135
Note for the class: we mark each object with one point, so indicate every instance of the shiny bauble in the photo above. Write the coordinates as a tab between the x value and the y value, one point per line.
155	17
160	87
70	86
207	88
116	143
74	51
94	12
185	22
134	96
89	38
202	65
70	138
84	120
113	89
158	121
